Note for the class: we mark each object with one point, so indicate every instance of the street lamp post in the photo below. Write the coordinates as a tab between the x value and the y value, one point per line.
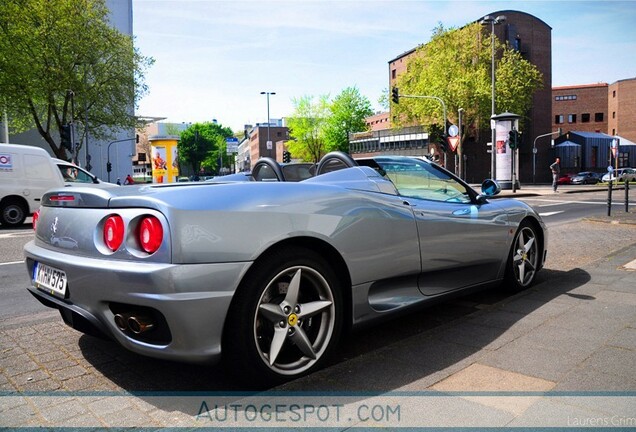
488	19
269	143
460	150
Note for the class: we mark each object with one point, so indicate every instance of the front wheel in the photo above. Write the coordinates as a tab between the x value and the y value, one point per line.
13	214
285	318
523	260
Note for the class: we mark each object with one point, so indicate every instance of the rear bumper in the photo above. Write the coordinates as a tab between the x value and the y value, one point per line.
192	300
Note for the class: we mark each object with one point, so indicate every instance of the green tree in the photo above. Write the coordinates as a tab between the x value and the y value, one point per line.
348	112
58	53
202	144
307	128
455	66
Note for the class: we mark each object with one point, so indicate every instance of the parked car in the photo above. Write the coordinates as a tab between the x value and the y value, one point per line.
76	176
270	273
565	179
622	174
585	177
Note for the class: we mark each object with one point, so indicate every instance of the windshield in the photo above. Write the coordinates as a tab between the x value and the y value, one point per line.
415	178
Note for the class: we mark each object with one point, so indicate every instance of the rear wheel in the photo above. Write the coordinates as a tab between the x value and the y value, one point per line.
12	214
285	319
523	260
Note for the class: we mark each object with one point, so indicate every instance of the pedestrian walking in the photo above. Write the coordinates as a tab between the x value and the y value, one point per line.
556	170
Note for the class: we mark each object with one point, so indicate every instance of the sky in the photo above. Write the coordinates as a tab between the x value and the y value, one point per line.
213	58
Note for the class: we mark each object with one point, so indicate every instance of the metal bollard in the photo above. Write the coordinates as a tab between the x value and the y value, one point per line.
609	198
626	196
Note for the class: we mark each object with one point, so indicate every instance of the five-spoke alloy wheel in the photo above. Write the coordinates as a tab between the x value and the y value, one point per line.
293	303
524	258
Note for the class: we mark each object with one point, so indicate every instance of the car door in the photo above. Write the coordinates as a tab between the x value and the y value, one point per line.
462	242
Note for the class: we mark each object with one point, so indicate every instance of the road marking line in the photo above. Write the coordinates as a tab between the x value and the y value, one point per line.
550	213
12	262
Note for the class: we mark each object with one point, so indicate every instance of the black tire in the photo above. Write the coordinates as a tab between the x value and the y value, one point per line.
13	214
523	260
285	318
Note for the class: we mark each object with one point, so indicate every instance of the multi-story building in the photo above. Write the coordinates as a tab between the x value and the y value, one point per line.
581	108
262	140
533	39
600	108
621	109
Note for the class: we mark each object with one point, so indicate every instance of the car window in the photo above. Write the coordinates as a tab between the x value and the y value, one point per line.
73	174
418	179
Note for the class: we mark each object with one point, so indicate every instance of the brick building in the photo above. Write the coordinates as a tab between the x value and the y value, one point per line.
533	38
580	108
601	108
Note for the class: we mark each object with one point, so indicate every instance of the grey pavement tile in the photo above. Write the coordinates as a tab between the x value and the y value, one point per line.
475	335
40	386
69	372
525	357
10	402
18	364
524	305
609	405
617	361
60	364
558	338
173	419
625	338
19	417
552	412
59	414
53	355
32	376
87	420
589	379
83	382
11	350
20	332
130	417
616	297
110	404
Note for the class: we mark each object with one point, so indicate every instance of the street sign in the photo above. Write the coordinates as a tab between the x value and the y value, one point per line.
453	141
453	130
269	145
231	145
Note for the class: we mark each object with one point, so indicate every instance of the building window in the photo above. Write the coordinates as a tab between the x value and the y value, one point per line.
571	118
613	114
613	131
614	94
393	74
558	119
565	98
598	117
585	117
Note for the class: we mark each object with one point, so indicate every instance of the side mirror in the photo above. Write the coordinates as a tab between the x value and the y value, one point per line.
489	188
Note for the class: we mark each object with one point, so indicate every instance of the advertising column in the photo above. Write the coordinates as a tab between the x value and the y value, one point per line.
504	153
165	166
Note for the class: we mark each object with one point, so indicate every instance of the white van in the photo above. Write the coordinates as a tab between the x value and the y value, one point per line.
26	172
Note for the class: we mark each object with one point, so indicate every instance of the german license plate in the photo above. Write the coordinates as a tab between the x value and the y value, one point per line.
49	279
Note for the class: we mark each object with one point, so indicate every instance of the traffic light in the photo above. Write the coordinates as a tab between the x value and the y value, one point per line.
286	156
514	136
395	95
65	137
109	166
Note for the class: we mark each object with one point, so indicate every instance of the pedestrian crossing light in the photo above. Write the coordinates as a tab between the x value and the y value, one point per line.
395	95
65	137
286	157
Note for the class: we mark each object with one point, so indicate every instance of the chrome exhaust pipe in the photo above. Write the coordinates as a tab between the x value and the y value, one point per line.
121	321
140	324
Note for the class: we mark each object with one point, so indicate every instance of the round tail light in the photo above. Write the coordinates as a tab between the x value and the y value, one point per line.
114	232
36	216
150	234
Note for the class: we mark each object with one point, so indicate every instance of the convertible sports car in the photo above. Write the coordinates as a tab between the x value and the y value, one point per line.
272	272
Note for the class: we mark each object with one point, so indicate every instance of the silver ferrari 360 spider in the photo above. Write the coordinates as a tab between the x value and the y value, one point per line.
270	272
